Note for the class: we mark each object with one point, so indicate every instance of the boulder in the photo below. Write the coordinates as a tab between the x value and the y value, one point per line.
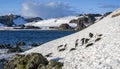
65	27
51	65
30	61
73	21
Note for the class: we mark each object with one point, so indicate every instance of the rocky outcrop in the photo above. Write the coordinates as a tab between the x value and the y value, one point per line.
51	65
21	43
85	20
65	27
32	61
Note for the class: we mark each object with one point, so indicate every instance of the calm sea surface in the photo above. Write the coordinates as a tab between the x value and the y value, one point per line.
31	36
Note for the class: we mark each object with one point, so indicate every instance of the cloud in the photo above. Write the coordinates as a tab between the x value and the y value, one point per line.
46	10
108	6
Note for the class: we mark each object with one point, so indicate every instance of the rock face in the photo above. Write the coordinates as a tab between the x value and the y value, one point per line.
85	20
32	61
65	27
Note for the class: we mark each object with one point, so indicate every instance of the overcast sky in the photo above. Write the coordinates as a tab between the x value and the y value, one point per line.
56	8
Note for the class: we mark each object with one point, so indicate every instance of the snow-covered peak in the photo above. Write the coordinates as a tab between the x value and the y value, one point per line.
101	51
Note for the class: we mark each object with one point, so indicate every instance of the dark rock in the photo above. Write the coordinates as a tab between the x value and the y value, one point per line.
85	20
35	60
21	43
93	15
65	27
36	44
19	27
5	46
73	21
54	64
51	65
31	61
106	14
80	23
32	27
12	50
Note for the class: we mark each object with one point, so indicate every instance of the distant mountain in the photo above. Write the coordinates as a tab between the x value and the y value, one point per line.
64	23
16	20
75	22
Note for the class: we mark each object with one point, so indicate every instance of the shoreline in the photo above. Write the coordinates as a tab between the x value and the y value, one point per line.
32	30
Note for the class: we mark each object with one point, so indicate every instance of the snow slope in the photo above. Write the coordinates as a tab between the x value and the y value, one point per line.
103	54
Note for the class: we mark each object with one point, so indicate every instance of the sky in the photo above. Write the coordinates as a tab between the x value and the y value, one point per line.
56	8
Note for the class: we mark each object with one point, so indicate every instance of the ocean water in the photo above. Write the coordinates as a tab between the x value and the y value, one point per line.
27	36
31	36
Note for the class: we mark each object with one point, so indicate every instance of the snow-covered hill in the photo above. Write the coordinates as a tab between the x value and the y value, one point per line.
101	50
54	22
